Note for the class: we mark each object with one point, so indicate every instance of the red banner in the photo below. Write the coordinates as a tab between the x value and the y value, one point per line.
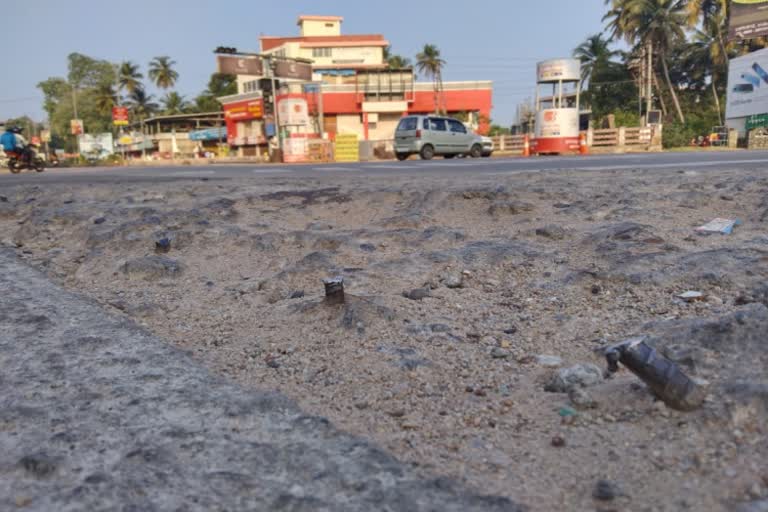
120	116
244	110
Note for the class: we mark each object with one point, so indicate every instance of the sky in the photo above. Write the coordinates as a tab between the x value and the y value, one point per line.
498	40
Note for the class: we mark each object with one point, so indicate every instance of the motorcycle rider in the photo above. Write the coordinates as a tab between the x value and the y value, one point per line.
13	141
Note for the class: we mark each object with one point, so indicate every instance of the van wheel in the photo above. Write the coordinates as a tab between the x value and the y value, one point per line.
427	152
402	156
476	151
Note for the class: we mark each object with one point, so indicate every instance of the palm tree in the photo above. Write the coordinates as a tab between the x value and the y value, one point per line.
162	73
658	22
713	15
704	57
595	56
429	62
130	77
174	103
105	98
398	62
141	104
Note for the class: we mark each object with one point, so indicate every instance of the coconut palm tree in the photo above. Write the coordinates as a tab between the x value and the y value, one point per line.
659	22
713	15
174	103
398	62
130	77
429	62
161	72
141	104
595	56
105	98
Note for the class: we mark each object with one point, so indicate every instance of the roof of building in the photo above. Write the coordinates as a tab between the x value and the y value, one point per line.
308	17
271	42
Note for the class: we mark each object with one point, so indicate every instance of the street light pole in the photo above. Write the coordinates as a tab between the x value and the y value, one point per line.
272	68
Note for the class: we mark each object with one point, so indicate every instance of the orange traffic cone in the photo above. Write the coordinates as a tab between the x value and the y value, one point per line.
583	149
526	146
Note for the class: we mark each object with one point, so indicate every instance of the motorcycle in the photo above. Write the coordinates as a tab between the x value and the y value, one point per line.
17	162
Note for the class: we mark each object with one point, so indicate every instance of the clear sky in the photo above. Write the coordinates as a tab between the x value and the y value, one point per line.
497	40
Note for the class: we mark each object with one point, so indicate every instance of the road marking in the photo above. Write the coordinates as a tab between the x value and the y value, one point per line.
676	164
346	169
391	166
189	174
270	170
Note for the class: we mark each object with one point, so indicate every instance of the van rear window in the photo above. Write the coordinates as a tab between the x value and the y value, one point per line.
407	123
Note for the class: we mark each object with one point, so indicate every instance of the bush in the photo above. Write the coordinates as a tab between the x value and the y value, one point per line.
676	135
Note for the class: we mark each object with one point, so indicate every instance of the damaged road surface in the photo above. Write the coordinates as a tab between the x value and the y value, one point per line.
466	343
97	414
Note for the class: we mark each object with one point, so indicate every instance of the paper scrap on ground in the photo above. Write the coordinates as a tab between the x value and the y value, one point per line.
724	226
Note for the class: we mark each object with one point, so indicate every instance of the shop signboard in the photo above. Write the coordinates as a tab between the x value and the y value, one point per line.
244	110
293	69
209	134
748	19
120	116
558	69
240	65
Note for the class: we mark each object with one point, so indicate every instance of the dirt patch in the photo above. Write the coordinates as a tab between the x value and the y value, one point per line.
516	277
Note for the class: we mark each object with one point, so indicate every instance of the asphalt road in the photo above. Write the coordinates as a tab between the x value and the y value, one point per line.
456	167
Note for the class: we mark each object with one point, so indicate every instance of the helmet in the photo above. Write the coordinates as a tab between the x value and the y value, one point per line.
16	129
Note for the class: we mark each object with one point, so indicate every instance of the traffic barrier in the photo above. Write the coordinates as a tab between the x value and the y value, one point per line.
583	148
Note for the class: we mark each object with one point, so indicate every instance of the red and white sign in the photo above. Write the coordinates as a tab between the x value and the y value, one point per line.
295	149
120	116
244	110
293	112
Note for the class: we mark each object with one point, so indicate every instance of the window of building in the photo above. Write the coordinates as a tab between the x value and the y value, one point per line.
251	86
329	25
456	126
280	53
437	125
321	52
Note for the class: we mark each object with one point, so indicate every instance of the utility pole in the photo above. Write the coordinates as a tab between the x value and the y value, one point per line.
272	68
118	132
649	76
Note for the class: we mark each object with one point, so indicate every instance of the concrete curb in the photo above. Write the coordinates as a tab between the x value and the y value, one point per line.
97	414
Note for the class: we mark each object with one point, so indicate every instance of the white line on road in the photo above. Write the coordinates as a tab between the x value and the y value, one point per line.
269	170
346	169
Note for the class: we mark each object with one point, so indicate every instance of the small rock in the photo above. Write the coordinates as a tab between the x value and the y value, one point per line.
99	220
548	361
691	296
453	281
367	247
581	399
417	294
596	289
500	353
580	375
558	441
298	294
510	330
39	465
163	245
361	405
551	231
505	344
440	328
396	413
605	490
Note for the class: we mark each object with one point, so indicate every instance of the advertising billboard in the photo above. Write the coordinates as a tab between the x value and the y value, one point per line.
120	116
293	112
558	69
76	127
244	110
96	146
239	65
749	19
747	85
557	122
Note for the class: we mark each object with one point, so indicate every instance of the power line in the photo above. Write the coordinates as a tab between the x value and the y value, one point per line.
26	98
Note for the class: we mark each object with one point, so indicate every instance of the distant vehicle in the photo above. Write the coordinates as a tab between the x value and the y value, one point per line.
428	136
16	163
487	146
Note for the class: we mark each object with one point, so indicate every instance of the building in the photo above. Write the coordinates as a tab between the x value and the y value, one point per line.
352	89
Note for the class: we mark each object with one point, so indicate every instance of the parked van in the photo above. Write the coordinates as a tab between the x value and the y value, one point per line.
428	136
